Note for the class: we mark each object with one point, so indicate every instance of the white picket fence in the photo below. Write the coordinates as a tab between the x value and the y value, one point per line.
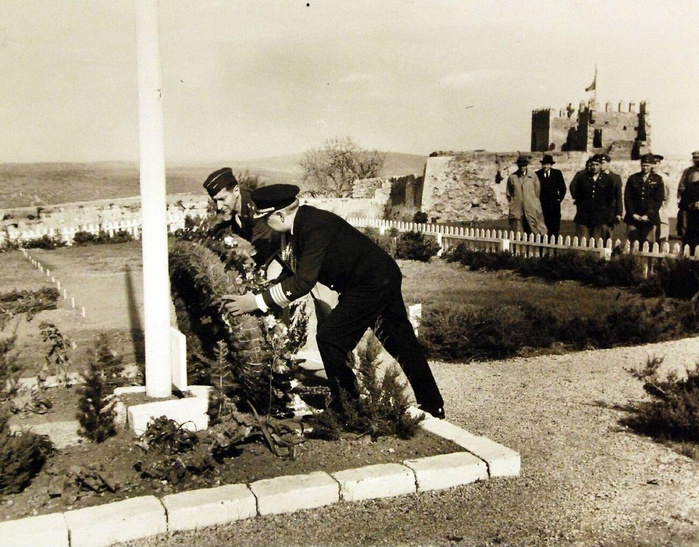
529	245
175	221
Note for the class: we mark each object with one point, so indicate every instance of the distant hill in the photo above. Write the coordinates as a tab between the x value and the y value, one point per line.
43	184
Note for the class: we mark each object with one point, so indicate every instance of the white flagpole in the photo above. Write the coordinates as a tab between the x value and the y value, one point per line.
156	281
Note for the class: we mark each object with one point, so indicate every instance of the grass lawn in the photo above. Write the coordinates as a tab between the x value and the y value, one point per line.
440	282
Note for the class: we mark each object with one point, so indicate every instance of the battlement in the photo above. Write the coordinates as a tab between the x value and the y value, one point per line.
621	129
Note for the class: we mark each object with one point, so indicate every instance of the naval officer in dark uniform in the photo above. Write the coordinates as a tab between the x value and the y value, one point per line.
236	212
329	250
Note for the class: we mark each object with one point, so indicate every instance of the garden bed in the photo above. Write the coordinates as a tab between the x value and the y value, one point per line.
115	460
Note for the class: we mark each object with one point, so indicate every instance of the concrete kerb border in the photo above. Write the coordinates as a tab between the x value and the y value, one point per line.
146	516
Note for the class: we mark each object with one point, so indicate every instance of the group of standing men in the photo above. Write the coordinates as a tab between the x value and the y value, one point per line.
535	200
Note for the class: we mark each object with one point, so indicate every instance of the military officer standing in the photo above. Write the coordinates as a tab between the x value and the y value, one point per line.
330	250
643	197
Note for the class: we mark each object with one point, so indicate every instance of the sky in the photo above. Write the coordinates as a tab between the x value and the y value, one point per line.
249	79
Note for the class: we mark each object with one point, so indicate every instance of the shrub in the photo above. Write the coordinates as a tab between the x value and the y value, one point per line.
57	353
96	413
463	333
22	456
673	411
44	242
82	238
420	217
416	246
27	302
387	241
675	278
9	367
380	410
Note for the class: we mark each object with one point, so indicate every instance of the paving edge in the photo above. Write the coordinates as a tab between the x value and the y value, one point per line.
194	509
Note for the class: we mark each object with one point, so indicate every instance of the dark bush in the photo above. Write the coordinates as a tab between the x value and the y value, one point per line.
22	456
83	238
463	333
420	217
416	246
44	242
676	278
673	411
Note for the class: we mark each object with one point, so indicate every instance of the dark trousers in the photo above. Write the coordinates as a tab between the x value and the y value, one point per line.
552	218
377	305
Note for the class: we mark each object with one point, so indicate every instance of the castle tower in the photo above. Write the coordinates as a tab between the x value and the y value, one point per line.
621	132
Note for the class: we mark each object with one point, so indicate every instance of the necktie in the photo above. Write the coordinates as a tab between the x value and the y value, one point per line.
288	251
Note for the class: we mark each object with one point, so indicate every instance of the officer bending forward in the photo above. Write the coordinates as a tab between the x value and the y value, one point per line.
329	250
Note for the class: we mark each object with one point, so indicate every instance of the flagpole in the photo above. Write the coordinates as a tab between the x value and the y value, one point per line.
595	95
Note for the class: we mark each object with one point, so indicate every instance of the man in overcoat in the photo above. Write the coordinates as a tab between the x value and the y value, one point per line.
553	190
595	202
331	251
643	197
522	191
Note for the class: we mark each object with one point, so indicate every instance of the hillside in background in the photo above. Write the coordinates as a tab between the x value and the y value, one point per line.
42	184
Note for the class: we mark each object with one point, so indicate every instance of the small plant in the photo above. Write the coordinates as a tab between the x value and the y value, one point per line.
672	414
380	410
96	413
10	370
71	483
22	456
222	399
171	452
57	353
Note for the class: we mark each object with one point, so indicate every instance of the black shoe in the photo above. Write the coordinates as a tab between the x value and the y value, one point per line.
435	412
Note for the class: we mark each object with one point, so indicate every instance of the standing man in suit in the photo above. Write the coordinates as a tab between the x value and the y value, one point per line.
330	250
605	161
593	192
523	190
643	197
553	190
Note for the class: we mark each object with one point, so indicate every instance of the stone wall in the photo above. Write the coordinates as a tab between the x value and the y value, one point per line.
460	187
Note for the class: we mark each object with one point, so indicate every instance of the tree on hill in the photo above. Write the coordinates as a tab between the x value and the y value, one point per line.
332	169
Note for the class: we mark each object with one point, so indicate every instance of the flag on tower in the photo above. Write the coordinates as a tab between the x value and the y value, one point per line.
593	85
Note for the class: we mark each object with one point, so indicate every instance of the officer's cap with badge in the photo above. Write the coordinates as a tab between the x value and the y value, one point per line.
648	158
220	180
274	197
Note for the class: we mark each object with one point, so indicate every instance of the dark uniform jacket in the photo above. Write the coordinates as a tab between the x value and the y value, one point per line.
265	241
643	197
594	199
618	194
553	189
329	250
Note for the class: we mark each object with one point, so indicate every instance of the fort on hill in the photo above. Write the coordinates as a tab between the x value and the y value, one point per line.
620	131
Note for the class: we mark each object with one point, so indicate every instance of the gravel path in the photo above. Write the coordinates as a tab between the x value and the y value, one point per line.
586	480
